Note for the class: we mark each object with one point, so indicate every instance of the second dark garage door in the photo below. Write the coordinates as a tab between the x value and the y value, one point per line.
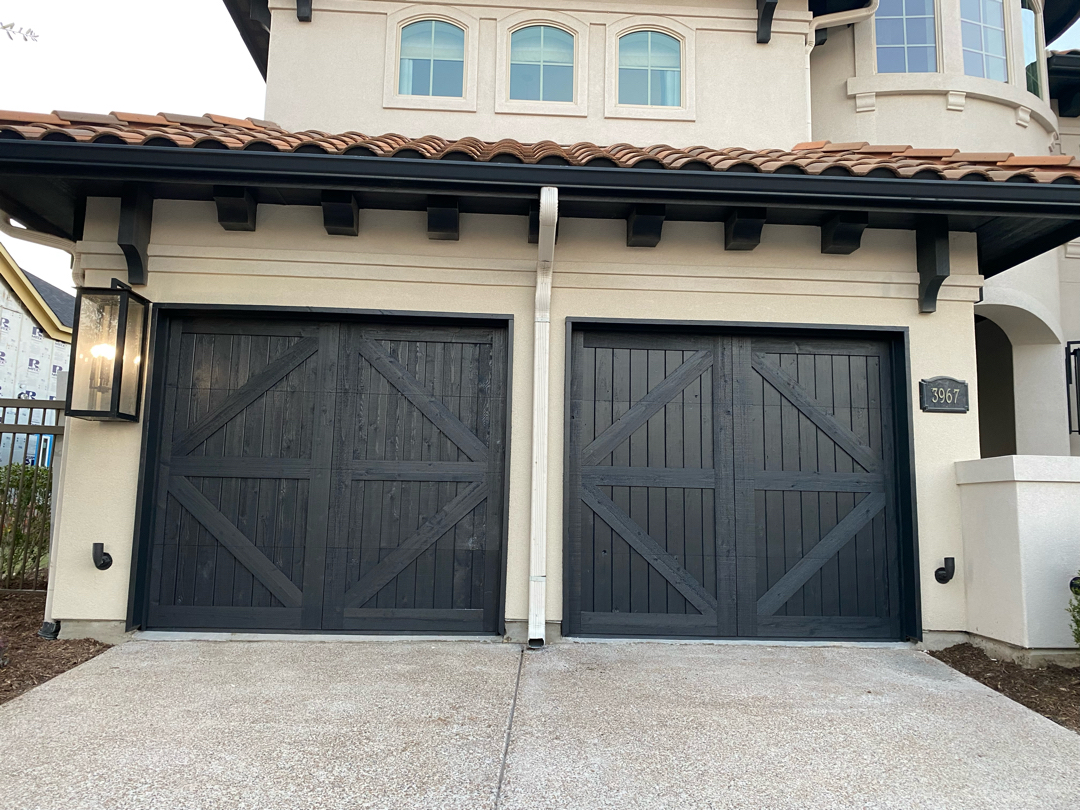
732	486
328	476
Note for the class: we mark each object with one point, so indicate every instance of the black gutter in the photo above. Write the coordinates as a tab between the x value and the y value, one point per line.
1063	70
208	167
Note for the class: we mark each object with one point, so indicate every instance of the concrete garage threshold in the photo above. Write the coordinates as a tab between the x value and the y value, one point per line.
420	724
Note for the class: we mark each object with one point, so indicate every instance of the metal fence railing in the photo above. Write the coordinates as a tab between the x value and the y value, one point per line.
30	436
1072	380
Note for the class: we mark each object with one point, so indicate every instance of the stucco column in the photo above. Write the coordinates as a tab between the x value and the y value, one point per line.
1039	393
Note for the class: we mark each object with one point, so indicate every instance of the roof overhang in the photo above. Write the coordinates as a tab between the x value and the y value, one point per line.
45	184
1058	17
1064	72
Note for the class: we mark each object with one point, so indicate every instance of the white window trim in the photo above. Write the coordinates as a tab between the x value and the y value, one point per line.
579	107
398	20
665	25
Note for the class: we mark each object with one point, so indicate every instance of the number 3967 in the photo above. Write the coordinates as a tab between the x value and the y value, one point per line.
944	396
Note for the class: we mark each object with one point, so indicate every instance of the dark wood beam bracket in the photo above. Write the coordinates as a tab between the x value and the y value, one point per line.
841	234
765	11
133	234
742	228
303	10
644	225
236	208
341	213
932	258
443	219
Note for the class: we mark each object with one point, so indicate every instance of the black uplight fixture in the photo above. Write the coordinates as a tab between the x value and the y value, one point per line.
105	383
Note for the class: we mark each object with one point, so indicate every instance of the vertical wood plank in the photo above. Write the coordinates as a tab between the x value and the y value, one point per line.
743	380
725	493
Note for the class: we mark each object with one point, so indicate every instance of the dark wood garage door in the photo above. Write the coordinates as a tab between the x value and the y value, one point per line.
329	476
732	486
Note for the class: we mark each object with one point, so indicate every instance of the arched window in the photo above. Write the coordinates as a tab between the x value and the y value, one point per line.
542	64
432	59
650	69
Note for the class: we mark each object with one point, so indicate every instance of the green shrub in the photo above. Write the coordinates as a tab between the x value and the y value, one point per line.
1074	612
25	496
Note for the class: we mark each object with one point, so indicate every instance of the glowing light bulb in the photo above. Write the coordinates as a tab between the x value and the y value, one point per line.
104	350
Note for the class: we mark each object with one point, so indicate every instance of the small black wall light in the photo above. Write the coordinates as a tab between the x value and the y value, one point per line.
947	571
1074	586
102	558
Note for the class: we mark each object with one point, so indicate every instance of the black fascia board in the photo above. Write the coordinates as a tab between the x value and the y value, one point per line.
208	167
1011	218
1063	70
256	36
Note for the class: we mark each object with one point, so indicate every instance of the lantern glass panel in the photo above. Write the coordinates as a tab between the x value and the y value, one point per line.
94	367
133	349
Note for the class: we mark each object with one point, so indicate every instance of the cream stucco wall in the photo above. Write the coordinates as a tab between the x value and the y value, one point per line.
290	261
337	72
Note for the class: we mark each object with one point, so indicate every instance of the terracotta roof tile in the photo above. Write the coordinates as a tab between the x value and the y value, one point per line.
978	157
190	120
87	118
930	153
225	120
815	157
883	150
843	147
134	118
32	118
1038	160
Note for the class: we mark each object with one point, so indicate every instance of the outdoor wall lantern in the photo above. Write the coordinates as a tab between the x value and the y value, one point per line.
105	383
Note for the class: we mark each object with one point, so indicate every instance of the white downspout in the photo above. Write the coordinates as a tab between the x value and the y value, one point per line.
829	21
27	235
549	217
37	238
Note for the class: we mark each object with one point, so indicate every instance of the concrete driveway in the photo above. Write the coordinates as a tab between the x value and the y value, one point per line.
414	724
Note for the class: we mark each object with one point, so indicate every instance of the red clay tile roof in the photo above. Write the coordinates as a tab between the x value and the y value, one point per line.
817	157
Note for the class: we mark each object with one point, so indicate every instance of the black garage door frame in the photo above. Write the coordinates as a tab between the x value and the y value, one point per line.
898	340
163	313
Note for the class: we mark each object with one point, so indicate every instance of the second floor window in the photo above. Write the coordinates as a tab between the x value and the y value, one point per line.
906	36
432	59
982	25
1029	16
542	64
650	69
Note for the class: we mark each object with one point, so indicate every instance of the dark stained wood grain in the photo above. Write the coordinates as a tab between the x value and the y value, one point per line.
789	442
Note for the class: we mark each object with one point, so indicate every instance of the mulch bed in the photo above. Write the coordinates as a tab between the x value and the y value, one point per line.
32	660
1052	691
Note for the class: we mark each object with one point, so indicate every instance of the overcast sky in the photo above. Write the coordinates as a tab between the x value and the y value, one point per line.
144	56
